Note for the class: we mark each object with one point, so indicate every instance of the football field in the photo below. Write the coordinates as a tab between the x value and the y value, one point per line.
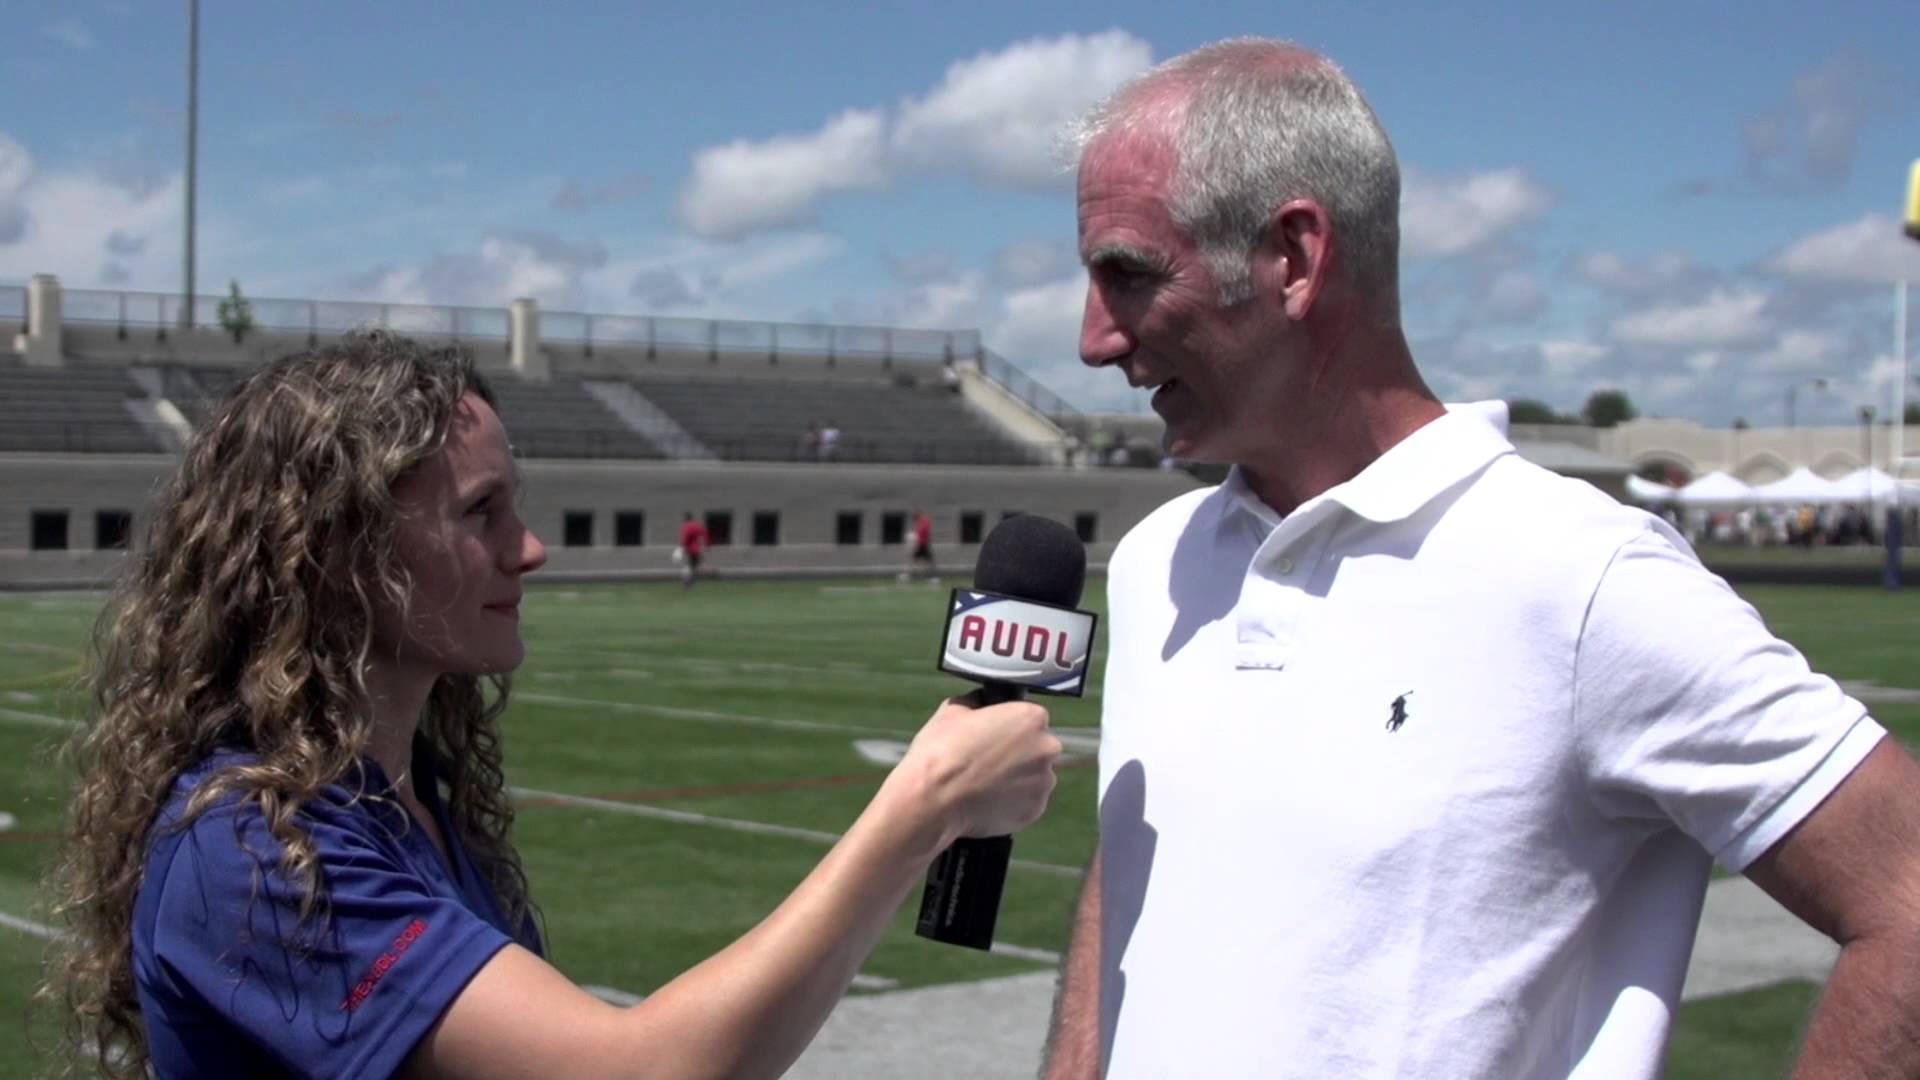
682	757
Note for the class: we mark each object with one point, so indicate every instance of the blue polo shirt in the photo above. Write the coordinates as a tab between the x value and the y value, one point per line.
231	983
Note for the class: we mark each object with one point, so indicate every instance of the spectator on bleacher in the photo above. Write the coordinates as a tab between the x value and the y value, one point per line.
810	442
829	441
289	848
693	547
1100	446
1364	813
950	376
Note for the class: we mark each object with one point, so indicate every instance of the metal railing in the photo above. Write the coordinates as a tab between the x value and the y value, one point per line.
75	437
804	342
159	313
1024	386
771	448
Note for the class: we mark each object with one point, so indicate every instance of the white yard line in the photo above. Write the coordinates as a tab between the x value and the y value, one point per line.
1022	952
28	926
761	828
614	997
707	716
37	719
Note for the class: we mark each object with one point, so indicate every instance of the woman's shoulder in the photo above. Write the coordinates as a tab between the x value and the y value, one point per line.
216	799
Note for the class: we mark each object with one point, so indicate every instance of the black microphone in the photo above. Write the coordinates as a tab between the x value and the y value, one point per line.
1015	630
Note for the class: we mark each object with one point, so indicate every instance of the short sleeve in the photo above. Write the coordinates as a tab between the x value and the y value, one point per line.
348	993
1687	709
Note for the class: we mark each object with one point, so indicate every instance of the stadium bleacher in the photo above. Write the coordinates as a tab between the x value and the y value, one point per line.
879	420
560	419
69	410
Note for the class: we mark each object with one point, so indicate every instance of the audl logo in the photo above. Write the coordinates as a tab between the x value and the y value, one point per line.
1001	639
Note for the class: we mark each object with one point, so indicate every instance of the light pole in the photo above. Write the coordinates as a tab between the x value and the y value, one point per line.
193	139
1794	388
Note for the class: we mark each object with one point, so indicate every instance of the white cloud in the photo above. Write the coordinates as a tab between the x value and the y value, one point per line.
1704	361
1038	329
1442	217
1801	351
1516	296
72	33
1870	250
743	186
1660	274
87	229
1568	357
996	114
993	116
1723	319
1030	262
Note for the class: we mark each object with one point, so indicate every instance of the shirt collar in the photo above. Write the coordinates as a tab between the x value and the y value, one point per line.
1411	474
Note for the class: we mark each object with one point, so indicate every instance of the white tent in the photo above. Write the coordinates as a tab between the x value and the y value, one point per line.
1800	486
1644	491
1870	485
1715	489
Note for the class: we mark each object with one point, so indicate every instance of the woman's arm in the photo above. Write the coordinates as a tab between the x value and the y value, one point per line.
751	1009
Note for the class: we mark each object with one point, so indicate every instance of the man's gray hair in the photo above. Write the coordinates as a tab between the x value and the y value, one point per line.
1258	122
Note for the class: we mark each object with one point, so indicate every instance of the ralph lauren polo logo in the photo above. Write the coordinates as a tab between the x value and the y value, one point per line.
1399	714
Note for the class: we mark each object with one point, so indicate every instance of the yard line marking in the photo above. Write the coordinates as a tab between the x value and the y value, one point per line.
39	719
1022	952
23	697
614	997
26	926
706	716
43	650
623	999
762	828
685	817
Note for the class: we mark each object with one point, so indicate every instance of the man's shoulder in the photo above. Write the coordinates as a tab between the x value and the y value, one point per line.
1525	515
1161	528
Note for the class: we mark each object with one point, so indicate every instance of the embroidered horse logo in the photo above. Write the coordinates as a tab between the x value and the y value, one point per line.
1399	715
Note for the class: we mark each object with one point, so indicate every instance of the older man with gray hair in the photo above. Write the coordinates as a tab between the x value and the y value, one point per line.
1388	787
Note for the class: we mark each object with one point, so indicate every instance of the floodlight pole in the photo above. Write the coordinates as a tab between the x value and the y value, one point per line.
1897	450
193	139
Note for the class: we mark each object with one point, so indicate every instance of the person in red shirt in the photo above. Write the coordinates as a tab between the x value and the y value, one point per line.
922	555
693	544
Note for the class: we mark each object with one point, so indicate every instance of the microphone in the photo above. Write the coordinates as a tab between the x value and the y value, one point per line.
1015	630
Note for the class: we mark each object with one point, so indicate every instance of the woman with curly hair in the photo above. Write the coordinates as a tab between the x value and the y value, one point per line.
290	849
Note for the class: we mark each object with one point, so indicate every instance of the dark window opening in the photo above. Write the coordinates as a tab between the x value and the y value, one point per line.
49	530
112	529
629	528
577	528
972	524
1086	526
893	527
719	528
766	528
846	527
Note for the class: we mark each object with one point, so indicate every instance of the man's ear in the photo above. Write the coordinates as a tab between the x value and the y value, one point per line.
1297	254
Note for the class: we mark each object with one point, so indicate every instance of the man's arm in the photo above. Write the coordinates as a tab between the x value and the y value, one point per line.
1851	870
1073	1040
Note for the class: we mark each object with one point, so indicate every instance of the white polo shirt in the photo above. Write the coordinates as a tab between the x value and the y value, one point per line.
1426	780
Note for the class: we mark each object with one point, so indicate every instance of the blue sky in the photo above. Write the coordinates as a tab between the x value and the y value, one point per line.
1694	206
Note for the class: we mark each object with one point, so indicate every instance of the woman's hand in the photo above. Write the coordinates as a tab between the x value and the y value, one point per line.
985	771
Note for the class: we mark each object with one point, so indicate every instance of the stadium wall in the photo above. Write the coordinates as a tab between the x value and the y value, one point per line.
807	499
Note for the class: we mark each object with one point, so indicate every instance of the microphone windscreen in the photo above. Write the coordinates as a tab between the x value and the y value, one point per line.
1032	558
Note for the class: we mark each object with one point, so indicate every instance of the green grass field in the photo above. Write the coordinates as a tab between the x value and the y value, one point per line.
744	701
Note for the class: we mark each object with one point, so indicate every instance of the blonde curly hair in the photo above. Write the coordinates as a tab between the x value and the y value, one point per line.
244	618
